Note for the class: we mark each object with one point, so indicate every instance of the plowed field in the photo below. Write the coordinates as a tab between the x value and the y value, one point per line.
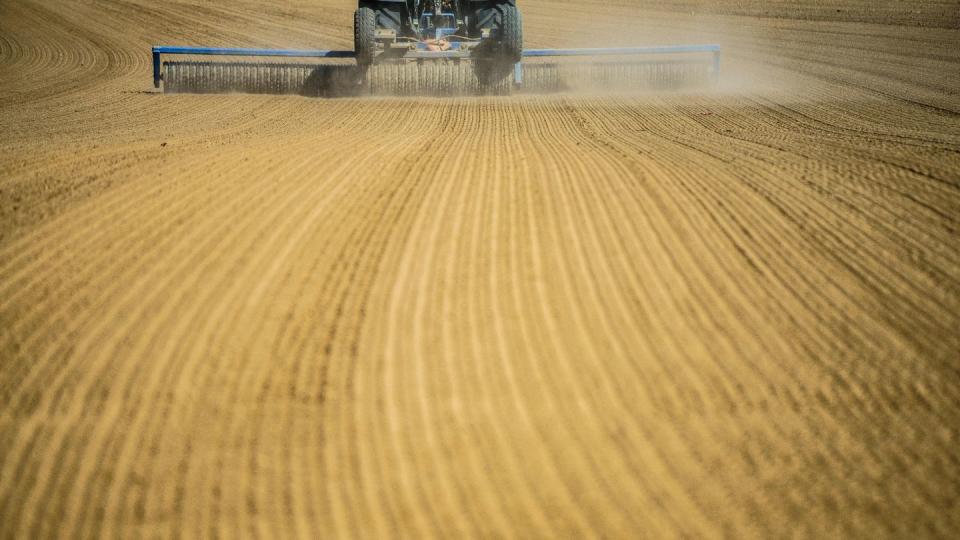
729	313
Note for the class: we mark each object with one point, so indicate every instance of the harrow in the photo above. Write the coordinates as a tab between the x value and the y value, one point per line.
436	47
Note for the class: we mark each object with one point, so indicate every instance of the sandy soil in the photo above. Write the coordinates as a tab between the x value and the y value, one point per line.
724	314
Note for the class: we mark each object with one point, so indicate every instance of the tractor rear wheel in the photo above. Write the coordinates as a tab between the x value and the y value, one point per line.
364	35
511	32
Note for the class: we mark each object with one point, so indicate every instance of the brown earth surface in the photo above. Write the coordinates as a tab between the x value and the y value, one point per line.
731	313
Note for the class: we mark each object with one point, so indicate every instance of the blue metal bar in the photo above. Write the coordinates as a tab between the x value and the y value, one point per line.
623	50
253	52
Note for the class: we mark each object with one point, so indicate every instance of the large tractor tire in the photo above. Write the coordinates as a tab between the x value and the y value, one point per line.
364	35
511	33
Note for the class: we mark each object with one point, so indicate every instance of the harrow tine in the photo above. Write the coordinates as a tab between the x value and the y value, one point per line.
434	78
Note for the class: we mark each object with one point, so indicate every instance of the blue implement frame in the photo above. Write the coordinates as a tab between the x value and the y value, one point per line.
159	50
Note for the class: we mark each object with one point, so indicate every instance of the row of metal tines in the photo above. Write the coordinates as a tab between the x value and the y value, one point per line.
427	78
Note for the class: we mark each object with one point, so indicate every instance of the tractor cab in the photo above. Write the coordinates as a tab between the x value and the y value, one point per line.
487	30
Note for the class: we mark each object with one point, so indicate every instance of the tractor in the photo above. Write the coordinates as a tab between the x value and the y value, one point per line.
489	30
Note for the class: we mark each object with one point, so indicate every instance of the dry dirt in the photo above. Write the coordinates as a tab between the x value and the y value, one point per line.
720	314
